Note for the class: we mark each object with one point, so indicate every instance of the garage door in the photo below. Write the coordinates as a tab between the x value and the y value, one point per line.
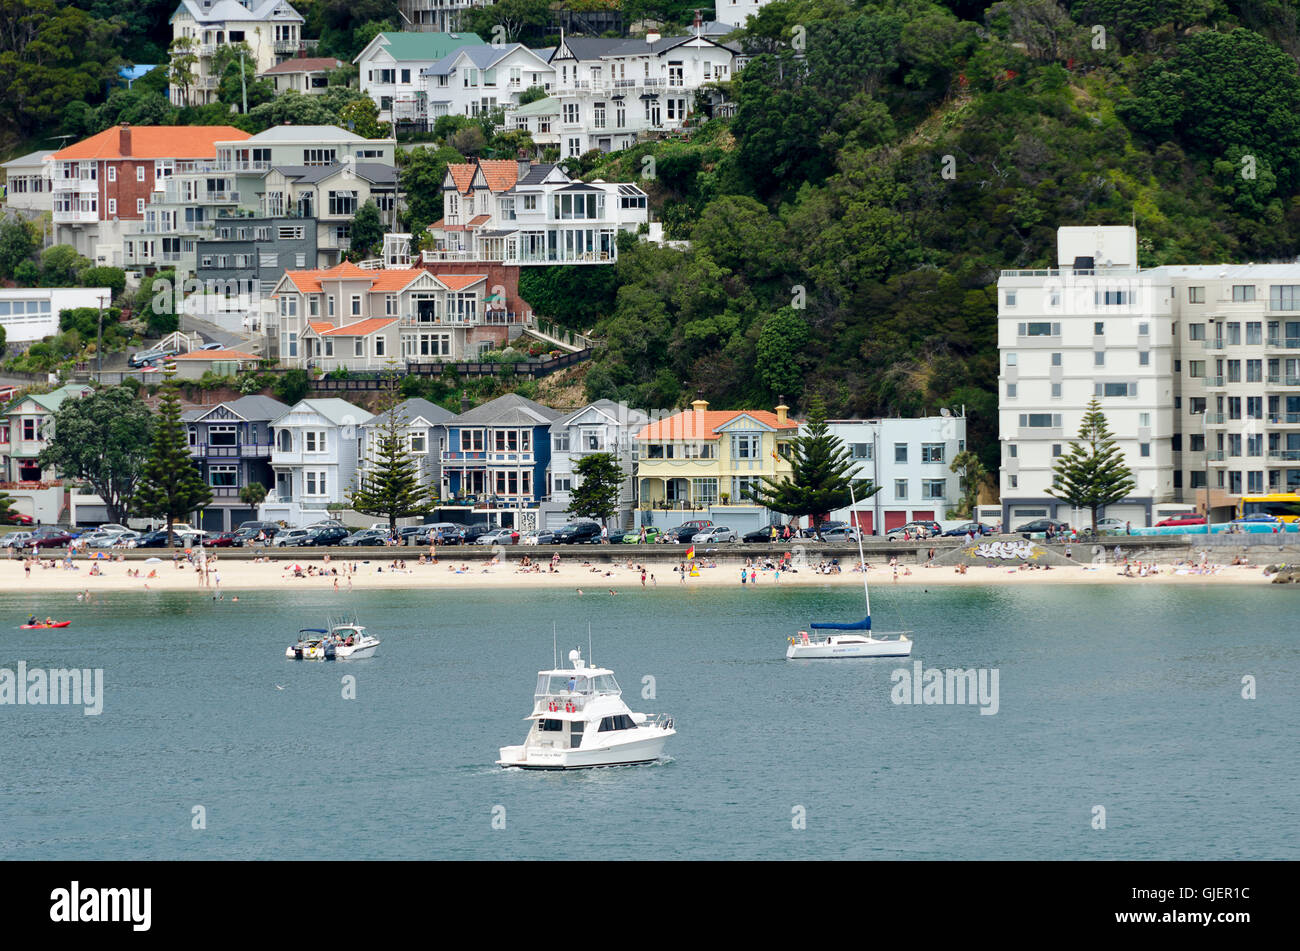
895	520
555	520
863	521
925	515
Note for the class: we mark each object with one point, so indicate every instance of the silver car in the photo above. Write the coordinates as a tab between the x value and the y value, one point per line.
290	537
15	540
718	534
112	539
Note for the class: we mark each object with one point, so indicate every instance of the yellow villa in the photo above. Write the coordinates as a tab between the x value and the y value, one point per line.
703	459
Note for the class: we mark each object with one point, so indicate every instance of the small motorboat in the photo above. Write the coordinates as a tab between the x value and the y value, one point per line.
342	640
44	625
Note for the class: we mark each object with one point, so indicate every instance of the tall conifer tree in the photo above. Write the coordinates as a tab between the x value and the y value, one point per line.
1092	474
171	486
389	483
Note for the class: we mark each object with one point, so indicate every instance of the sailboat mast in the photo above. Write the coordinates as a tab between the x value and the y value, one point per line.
862	559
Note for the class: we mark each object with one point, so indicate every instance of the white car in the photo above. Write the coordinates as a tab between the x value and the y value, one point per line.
15	540
715	535
112	539
288	537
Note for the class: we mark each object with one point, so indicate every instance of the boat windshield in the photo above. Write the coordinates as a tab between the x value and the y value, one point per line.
558	685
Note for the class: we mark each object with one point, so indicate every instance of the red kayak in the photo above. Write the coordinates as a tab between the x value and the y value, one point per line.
36	627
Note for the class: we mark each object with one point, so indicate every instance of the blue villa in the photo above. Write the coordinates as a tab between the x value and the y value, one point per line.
495	462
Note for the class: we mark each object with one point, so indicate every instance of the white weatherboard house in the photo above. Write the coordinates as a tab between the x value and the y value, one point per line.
910	460
315	449
271	29
424	429
476	80
29	314
602	426
391	64
29	182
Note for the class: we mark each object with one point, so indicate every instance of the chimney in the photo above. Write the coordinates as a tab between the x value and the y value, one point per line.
524	163
124	139
697	24
699	405
782	412
652	36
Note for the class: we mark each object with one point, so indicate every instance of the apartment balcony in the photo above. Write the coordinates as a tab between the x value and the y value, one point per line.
207	83
1285	455
1214	383
218	197
88	185
243	166
437	256
1212	343
1283	343
585	257
485	458
206	49
1284	419
1273	379
442	323
1215	456
286	46
76	217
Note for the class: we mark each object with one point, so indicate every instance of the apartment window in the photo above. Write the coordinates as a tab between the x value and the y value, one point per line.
139	173
1196	295
112	206
932	452
313	482
291	233
1234	334
1243	292
418	443
1013	482
900	488
1234	483
1254	407
313	441
329	346
139	206
1056	391
359	347
1099	358
1144	449
1255	445
1144	358
1056	449
900	452
1234	444
356	305
1040	420
1113	298
1254	371
704	491
1196	368
1056	359
1196	331
1115	389
1011	298
1196	442
1144	330
223	475
1099	328
343	203
1196	480
1011	450
1254	333
934	488
1039	329
1011	391
322	156
1011	359
1234	371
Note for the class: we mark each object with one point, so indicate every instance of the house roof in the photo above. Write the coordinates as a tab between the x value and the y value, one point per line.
154	142
223	10
542	107
31	159
618	412
52	400
482	57
424	46
462	175
589	47
499	174
303	64
362	328
458	282
249	408
309	134
337	411
308	282
509	410
416	408
704	424
537	174
215	355
376	173
479	220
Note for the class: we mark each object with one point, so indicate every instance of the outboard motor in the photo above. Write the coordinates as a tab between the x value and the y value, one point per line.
329	650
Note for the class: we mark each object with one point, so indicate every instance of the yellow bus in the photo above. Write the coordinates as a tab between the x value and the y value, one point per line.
1285	505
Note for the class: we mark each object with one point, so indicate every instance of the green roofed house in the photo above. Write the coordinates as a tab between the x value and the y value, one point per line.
541	119
26	427
391	64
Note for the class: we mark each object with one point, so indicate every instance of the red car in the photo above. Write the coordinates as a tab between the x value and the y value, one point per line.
1182	518
19	519
52	540
224	540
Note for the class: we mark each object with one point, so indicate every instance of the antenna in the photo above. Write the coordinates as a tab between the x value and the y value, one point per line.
861	557
588	643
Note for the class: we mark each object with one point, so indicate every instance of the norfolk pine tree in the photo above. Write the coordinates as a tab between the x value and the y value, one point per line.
822	472
171	486
1092	474
389	483
596	496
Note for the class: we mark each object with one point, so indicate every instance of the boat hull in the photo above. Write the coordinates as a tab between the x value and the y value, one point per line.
869	648
44	627
634	752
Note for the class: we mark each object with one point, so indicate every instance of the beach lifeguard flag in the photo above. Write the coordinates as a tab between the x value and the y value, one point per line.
690	553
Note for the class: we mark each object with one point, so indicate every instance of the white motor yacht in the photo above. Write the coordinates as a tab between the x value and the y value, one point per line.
580	721
342	640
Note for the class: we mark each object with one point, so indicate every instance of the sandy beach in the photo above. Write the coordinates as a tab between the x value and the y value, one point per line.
230	576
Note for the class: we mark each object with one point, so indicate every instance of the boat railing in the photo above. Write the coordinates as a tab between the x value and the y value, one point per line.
562	703
660	720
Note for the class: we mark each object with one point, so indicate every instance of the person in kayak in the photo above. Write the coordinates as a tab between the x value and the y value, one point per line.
31	619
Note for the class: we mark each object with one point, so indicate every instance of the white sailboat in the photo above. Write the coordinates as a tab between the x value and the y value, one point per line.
854	638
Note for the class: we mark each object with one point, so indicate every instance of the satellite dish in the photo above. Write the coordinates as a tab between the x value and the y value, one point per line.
945	412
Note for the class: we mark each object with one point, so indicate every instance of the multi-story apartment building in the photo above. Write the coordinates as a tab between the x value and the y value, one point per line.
29	183
1191	365
231	443
29	314
496	459
703	460
476	80
271	30
103	184
526	214
736	12
316	447
26	428
435	15
424	430
308	75
910	460
304	172
359	319
602	426
391	65
610	91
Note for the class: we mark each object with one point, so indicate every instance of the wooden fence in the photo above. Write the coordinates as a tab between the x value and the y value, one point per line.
364	381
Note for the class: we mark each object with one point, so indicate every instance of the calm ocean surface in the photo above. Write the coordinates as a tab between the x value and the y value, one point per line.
1123	696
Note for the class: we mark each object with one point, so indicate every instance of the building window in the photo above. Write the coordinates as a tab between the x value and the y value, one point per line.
1099	328
1145	449
1056	359
1013	482
1196	368
314	482
1243	292
1011	298
1056	391
900	452
933	488
139	206
1099	358
313	441
1011	391
932	452
1144	358
1196	331
860	450
1056	449
900	488
1196	295
1011	359
139	173
223	475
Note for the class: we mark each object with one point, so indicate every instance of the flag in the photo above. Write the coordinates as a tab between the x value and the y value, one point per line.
690	553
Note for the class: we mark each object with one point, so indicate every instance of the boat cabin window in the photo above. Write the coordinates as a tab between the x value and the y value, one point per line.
552	726
620	722
575	734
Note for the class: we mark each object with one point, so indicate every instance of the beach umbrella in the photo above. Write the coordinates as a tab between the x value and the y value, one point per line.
152	561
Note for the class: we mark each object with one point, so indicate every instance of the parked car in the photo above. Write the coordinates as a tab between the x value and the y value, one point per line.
761	535
965	528
1259	517
1181	518
248	532
539	536
123	539
288	537
366	536
1039	526
715	535
157	539
48	538
213	346
682	534
471	532
917	529
634	538
1111	526
840	533
17	518
444	533
15	539
222	540
500	536
322	536
577	533
144	357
